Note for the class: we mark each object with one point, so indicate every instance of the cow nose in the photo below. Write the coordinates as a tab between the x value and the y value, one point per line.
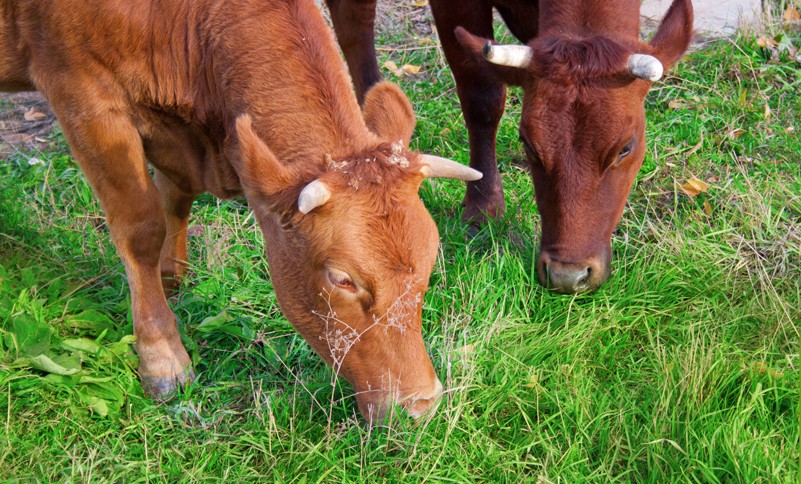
423	404
569	279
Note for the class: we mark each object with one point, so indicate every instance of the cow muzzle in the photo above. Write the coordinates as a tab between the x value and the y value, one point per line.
572	277
374	405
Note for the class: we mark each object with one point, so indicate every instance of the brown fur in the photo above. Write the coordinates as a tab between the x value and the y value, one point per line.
166	83
581	108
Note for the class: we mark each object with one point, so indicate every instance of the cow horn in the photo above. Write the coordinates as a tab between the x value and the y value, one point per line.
437	167
507	55
646	67
312	196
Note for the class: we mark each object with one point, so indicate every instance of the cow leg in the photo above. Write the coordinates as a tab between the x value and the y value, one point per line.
354	25
177	205
109	150
482	97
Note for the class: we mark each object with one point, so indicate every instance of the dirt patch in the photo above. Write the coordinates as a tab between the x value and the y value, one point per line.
26	123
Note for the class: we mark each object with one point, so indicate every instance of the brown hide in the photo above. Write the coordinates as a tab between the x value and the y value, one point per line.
583	120
243	96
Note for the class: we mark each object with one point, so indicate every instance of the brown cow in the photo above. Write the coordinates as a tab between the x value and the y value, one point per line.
245	96
584	73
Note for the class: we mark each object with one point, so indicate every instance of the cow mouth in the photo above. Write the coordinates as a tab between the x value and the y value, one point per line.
572	277
375	405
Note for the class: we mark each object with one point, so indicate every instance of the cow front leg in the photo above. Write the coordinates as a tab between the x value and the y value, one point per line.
109	150
354	23
174	257
482	97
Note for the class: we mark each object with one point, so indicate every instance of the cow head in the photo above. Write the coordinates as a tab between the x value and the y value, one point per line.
583	129
351	248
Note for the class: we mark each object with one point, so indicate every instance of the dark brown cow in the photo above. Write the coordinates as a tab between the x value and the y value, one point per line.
245	96
584	73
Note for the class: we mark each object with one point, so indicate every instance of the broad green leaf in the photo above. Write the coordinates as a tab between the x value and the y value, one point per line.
91	319
98	405
59	365
30	337
81	344
215	323
69	381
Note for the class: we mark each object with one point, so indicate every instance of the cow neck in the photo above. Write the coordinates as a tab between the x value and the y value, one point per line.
279	64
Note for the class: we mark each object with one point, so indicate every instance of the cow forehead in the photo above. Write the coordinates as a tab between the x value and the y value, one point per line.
583	118
377	226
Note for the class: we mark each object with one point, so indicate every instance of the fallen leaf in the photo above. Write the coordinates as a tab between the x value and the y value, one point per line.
693	187
393	68
789	129
32	115
766	42
467	349
696	147
791	15
744	97
420	3
767	111
707	208
411	68
736	133
675	104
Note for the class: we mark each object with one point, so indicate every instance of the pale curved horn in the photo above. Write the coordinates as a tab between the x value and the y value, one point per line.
437	167
646	67
312	196
507	55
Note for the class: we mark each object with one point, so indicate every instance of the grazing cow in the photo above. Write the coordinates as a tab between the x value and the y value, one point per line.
245	96
584	73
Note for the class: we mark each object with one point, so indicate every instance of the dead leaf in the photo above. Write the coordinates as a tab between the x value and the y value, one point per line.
744	97
789	129
445	132
32	115
791	15
466	350
766	42
767	111
693	187
675	104
736	133
707	208
393	68
411	68
420	3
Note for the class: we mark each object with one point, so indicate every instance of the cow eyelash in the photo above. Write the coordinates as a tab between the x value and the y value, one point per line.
625	151
341	279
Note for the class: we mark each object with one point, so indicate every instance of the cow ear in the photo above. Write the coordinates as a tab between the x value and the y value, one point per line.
674	34
388	113
259	170
477	48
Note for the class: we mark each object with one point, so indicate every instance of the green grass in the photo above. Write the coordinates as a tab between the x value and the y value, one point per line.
683	367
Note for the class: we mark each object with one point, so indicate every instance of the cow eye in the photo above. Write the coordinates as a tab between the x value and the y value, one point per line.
625	151
341	279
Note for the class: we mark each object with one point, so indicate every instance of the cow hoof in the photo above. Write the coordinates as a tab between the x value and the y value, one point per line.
165	388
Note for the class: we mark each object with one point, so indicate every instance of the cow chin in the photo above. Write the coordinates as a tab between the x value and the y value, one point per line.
568	275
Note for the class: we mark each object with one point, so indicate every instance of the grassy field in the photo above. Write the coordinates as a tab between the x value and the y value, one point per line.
683	367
